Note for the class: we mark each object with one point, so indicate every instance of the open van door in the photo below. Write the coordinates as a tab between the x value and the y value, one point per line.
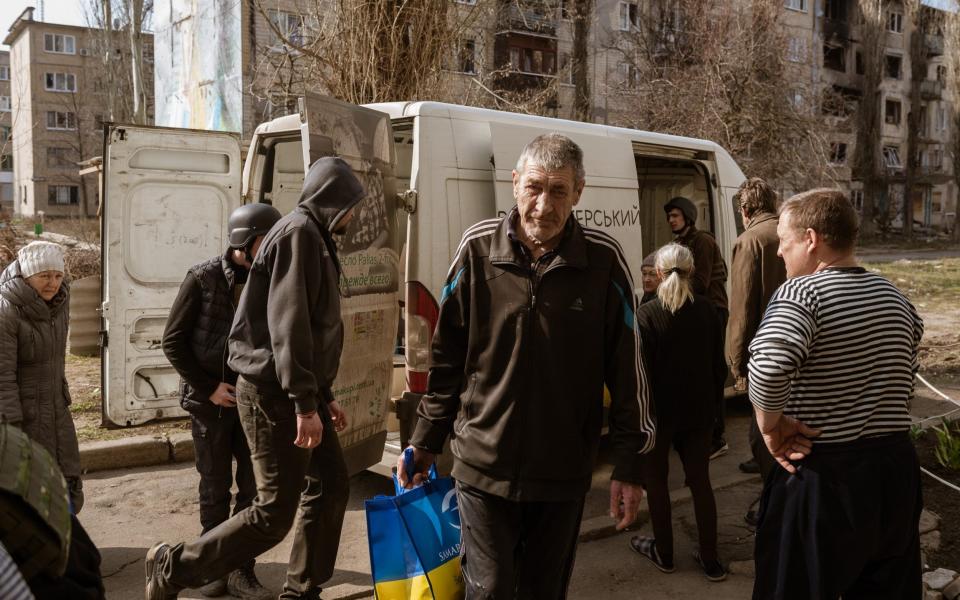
167	196
370	255
609	201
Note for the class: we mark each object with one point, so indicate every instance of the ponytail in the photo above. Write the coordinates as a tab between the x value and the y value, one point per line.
676	263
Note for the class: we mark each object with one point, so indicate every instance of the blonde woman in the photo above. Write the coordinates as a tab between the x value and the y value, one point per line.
34	302
683	347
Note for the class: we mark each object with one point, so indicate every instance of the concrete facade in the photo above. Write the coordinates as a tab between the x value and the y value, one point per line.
57	112
6	149
824	43
508	48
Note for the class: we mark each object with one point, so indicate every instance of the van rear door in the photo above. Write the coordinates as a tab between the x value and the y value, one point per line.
609	201
167	195
370	256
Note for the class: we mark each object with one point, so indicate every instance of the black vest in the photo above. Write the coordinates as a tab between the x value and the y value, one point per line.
216	277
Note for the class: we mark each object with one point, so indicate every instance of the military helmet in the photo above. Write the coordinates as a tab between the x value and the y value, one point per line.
250	221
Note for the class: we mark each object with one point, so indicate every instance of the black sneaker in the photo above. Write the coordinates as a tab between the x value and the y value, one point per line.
647	547
243	584
155	587
214	589
718	448
712	569
749	466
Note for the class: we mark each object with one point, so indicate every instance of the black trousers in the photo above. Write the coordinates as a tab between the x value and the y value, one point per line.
310	486
720	426
522	550
694	449
846	524
218	439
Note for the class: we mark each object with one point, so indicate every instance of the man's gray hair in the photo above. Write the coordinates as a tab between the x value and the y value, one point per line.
553	152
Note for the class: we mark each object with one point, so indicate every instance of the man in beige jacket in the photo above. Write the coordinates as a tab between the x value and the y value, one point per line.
755	273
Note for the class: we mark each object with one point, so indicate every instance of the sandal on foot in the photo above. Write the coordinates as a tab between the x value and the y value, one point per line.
712	569
647	547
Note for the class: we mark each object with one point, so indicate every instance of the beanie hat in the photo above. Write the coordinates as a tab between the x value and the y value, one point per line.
686	207
37	257
649	261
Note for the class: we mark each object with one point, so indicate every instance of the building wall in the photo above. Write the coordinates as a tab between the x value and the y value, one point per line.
54	129
6	151
806	29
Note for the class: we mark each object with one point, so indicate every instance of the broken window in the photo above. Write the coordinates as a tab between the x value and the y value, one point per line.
835	58
891	112
891	157
893	64
895	21
838	153
629	16
835	10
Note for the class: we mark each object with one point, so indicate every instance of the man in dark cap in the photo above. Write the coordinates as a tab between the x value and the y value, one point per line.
285	345
709	279
195	343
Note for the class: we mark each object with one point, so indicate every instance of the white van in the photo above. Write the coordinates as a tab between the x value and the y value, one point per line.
431	170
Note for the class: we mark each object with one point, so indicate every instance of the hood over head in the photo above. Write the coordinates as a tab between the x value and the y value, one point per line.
687	207
330	189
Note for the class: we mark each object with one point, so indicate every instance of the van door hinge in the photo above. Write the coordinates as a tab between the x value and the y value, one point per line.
407	200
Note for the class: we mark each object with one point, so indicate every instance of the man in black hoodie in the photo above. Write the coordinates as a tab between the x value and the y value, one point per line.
195	343
285	345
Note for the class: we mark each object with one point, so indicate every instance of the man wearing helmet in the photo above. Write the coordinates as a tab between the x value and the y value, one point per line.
195	343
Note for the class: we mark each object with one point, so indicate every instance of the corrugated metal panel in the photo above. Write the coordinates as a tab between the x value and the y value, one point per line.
84	318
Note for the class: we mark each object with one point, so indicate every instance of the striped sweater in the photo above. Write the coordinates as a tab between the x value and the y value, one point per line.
838	351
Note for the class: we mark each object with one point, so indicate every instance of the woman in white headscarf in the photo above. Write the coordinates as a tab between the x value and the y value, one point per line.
34	312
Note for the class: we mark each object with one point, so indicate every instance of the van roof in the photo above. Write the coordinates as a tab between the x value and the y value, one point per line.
471	113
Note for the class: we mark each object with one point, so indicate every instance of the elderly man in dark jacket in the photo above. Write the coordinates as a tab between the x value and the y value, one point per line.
285	345
536	316
195	343
709	279
755	274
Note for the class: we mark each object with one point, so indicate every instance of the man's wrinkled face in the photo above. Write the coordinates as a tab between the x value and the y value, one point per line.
676	220
795	248
545	200
46	283
650	279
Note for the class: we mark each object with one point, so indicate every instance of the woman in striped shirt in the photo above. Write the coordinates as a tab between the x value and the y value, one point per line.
831	373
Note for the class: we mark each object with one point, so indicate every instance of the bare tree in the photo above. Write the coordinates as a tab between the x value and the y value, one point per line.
867	154
952	54
709	69
118	39
582	18
357	50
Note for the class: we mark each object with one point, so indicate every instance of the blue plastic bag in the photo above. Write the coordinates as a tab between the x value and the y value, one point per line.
414	540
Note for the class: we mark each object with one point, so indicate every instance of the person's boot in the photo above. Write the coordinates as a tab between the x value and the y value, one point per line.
155	587
215	589
243	584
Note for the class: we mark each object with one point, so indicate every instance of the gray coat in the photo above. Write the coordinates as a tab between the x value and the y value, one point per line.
33	385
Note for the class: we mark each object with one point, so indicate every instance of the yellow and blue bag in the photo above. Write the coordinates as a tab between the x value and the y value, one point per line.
414	540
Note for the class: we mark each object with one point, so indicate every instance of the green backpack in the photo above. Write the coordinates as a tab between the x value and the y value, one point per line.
34	505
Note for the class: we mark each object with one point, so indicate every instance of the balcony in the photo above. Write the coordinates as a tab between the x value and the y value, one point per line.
540	18
933	44
931	90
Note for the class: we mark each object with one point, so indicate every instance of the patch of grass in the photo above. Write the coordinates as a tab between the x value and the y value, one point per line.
930	284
